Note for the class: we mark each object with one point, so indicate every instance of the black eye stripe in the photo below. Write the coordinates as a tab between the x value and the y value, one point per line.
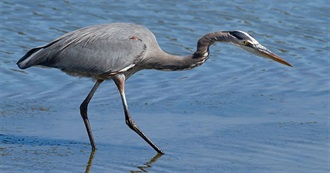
237	34
249	44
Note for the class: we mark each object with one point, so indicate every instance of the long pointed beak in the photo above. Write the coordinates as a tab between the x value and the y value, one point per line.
264	52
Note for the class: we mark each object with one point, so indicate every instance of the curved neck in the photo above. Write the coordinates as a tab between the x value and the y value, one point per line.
161	60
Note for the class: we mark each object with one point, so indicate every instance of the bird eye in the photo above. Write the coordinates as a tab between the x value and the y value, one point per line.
247	43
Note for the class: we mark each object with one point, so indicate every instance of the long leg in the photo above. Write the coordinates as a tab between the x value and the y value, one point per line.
120	82
83	112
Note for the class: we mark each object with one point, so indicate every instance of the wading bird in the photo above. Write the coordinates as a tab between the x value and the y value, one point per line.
117	51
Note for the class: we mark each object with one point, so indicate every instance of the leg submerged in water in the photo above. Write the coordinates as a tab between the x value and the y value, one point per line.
83	112
120	82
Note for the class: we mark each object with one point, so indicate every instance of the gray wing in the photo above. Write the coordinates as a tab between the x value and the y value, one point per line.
92	50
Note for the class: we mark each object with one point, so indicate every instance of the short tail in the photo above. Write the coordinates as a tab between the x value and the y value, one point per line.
27	60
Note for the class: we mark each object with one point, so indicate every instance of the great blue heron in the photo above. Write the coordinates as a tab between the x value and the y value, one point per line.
116	51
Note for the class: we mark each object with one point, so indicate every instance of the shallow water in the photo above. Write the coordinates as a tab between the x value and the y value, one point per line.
235	113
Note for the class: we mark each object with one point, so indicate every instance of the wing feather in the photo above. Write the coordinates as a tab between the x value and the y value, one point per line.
92	50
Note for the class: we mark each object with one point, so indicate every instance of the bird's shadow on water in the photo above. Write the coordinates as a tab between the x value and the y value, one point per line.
21	141
147	164
143	168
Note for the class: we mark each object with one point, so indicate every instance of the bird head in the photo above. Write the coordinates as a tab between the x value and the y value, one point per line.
248	43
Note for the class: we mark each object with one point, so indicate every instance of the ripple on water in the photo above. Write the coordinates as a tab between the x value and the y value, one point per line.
235	113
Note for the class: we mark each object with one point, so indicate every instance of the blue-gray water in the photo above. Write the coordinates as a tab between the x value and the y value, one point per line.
235	113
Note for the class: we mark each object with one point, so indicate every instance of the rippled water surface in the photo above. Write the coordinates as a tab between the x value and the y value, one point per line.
235	113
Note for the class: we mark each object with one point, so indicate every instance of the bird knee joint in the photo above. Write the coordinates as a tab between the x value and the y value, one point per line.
83	107
131	124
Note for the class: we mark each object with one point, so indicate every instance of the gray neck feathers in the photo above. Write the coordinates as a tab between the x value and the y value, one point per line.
161	60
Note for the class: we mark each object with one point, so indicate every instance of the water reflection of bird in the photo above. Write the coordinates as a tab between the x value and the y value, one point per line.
117	51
